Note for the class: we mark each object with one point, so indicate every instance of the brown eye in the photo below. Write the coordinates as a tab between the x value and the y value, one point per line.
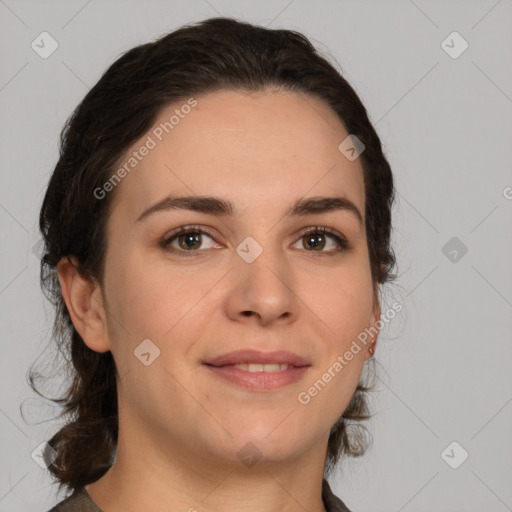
188	241
315	241
319	238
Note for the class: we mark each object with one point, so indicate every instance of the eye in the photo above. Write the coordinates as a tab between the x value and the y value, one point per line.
190	240
316	239
187	241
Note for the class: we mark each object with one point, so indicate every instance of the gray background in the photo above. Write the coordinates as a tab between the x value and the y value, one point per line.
444	362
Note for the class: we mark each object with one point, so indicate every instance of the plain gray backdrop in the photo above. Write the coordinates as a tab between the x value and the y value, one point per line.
436	78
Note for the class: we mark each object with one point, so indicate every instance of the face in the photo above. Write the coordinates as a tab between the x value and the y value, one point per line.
253	278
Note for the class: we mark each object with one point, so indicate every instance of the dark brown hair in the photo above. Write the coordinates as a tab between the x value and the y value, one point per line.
215	54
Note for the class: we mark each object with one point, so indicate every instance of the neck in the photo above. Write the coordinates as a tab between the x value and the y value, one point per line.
156	477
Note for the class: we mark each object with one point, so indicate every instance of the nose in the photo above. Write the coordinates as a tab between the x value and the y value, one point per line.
262	291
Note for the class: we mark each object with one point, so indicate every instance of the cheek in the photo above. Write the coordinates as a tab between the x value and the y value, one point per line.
133	298
345	307
344	300
150	301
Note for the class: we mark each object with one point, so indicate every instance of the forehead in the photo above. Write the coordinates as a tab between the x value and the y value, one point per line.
250	146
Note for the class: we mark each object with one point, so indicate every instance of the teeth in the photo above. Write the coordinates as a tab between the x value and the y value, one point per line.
254	367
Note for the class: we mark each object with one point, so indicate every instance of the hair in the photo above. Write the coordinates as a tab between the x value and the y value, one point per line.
215	54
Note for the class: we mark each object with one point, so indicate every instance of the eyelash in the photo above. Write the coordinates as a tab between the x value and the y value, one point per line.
340	240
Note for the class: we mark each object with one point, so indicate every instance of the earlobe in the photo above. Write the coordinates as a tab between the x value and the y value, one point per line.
84	302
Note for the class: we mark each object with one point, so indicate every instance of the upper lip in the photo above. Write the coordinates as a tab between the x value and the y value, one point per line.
255	356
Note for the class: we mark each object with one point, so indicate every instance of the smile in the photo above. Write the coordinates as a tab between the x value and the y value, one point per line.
267	368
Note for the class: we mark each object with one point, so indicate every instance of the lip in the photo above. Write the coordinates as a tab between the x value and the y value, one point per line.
256	356
223	366
259	381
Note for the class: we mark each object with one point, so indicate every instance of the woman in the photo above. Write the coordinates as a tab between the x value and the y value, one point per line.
217	232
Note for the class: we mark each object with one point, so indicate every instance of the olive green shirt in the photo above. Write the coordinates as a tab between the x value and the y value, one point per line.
80	501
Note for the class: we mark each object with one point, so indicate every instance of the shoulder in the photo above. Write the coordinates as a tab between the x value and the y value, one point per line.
331	502
79	501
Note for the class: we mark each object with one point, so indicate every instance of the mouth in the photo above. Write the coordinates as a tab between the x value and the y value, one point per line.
259	371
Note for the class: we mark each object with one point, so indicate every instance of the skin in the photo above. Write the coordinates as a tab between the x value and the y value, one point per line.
181	426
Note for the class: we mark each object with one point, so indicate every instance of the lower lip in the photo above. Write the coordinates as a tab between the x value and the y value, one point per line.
259	381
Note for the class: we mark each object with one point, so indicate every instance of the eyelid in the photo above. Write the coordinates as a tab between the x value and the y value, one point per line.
323	229
339	238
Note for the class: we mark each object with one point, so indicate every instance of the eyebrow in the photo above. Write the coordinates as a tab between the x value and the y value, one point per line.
217	206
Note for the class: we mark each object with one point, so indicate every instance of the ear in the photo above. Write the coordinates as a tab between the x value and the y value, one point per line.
374	329
85	304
